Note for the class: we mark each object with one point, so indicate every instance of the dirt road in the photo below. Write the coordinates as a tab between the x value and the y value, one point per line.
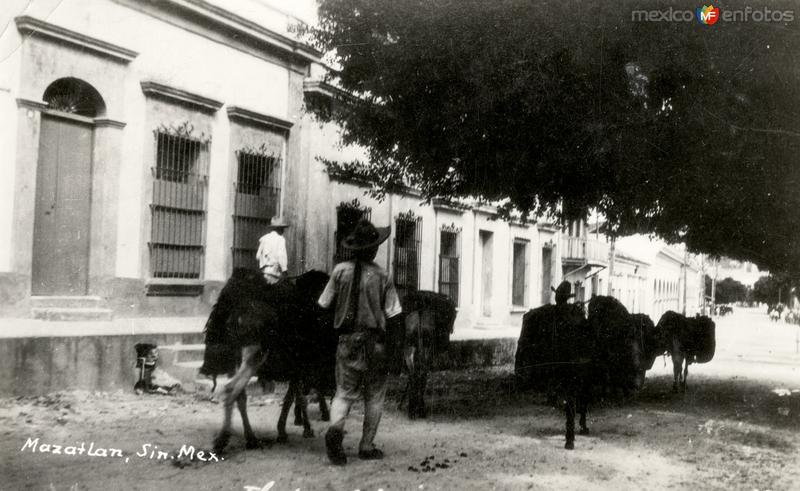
730	430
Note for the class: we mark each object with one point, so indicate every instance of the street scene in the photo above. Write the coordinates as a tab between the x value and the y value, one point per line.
734	428
399	244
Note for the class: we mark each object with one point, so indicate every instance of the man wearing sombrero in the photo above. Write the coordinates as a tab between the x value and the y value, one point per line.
271	254
563	292
364	298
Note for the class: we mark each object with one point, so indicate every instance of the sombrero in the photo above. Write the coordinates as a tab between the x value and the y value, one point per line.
366	235
563	292
278	222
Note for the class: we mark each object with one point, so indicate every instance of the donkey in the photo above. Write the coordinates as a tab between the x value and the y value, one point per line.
690	340
555	354
428	319
271	331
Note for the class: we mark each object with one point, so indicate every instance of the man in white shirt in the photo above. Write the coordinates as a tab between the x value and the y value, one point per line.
271	255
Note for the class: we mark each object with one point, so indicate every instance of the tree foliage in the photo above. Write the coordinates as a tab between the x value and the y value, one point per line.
726	291
773	289
686	131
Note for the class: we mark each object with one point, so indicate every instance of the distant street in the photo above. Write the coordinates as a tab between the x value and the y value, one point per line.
749	345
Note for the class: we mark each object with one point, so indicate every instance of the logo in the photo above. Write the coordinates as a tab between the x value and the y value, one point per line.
707	15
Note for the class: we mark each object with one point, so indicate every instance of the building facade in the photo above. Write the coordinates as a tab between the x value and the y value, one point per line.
148	145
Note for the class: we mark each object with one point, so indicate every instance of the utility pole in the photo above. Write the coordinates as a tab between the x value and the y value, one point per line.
714	284
611	255
703	281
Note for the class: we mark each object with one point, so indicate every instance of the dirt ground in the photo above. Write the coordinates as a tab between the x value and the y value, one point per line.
728	431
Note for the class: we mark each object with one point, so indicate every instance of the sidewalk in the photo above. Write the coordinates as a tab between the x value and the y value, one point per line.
35	328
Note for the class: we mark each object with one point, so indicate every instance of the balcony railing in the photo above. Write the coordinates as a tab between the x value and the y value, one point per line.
582	250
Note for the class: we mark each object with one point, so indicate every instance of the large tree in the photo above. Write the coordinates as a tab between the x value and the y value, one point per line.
774	288
688	131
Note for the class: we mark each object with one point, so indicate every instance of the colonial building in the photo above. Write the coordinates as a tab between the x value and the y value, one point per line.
146	145
647	276
669	277
584	258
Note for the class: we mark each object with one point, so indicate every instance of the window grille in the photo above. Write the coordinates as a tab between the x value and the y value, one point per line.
257	194
519	282
408	233
449	256
347	215
180	183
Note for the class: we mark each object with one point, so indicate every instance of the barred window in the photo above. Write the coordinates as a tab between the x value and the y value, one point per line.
449	252
408	232
257	194
177	238
347	215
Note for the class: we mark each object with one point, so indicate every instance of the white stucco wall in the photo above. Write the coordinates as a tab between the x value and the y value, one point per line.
10	60
188	61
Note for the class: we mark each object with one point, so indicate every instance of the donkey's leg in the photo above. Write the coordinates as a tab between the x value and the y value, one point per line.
422	383
583	408
251	359
249	435
301	401
298	414
325	414
288	399
677	365
409	358
569	409
685	374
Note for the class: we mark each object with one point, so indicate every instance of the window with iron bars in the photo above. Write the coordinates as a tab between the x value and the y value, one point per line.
257	194
408	234
449	252
180	183
347	216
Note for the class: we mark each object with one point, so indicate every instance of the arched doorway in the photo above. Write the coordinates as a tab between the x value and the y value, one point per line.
63	188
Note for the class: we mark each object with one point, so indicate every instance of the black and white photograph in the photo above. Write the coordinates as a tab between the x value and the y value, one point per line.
368	245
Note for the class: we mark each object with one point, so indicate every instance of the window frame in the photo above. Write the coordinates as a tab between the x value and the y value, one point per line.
525	272
179	204
451	288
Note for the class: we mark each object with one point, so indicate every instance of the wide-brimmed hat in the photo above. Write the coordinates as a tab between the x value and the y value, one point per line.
278	222
365	235
563	292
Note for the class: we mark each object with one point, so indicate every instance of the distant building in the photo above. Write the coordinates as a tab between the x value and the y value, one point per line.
584	257
673	278
647	276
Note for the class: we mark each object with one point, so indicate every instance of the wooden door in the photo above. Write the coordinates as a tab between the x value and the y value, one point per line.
547	276
63	198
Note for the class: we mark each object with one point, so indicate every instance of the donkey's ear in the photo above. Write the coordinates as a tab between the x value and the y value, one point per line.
554	290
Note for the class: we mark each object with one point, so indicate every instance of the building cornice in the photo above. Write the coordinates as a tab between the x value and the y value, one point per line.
108	123
327	89
32	104
447	205
180	96
220	17
240	114
31	26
